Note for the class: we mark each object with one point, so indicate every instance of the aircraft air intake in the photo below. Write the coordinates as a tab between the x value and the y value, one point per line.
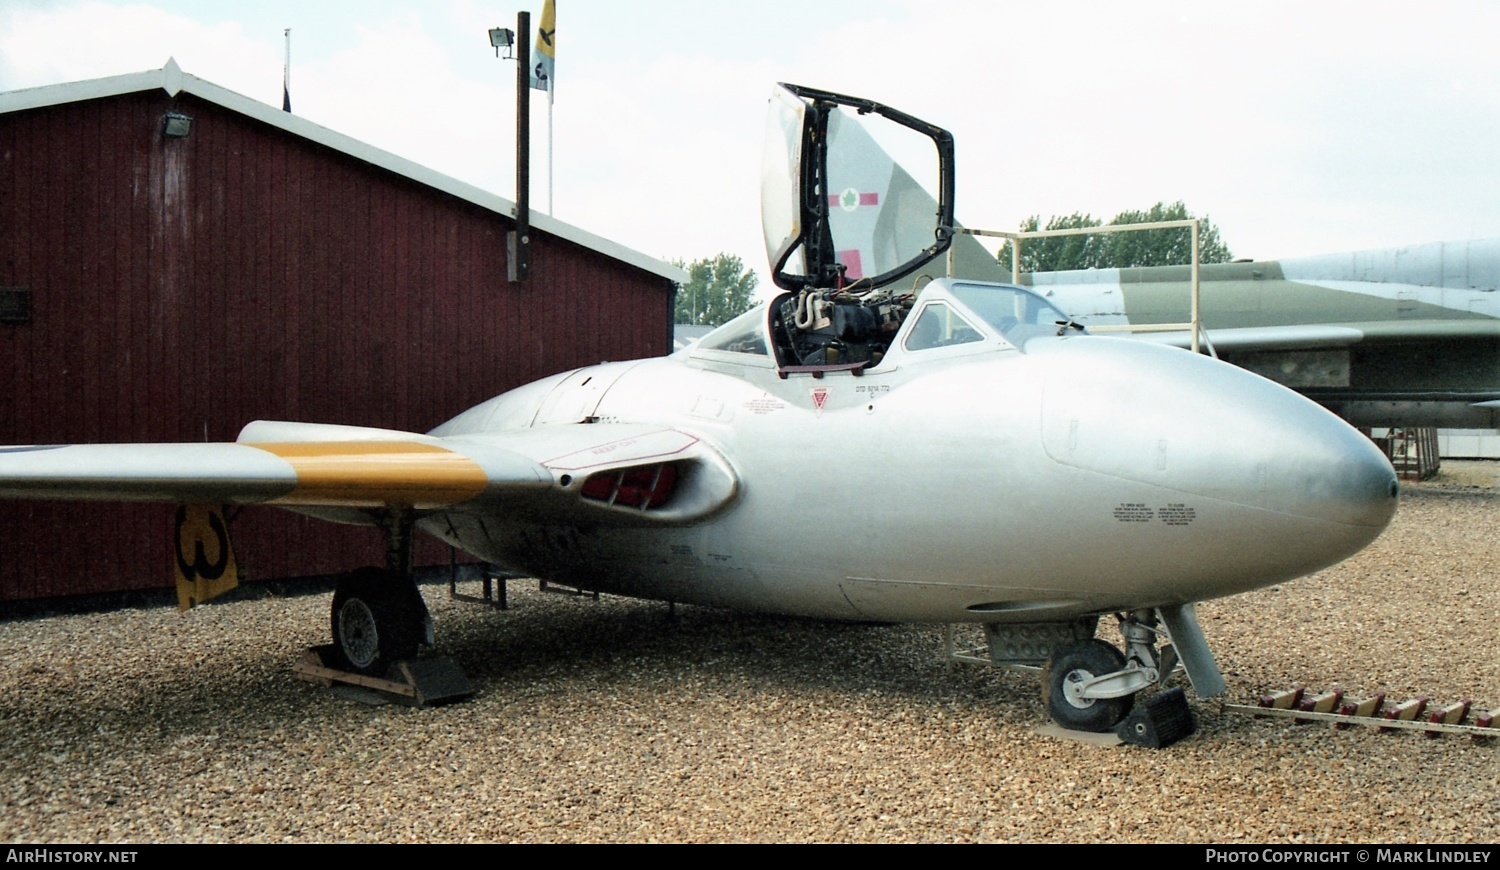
643	486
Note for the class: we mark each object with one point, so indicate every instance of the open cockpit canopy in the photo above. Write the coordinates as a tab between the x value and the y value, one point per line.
838	210
855	197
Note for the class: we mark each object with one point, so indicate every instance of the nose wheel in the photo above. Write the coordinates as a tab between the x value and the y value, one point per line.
1070	674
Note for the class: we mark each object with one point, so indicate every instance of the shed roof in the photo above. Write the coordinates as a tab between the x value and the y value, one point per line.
173	80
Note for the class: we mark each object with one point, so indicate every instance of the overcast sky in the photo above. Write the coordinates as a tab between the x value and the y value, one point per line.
1298	128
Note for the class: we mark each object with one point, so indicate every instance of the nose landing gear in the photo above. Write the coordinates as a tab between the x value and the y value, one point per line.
1089	685
1069	686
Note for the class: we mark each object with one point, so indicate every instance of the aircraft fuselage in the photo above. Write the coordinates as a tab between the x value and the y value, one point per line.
1083	475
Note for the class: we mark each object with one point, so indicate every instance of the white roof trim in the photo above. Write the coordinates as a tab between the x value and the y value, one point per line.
173	80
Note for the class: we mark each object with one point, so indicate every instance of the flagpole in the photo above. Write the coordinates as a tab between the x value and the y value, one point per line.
286	74
551	94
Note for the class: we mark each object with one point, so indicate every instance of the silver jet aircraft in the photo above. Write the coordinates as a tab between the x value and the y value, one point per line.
869	445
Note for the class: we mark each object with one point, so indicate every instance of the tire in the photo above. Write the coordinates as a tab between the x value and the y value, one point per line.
373	621
1076	663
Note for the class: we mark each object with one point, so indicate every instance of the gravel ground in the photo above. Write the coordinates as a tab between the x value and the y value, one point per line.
613	721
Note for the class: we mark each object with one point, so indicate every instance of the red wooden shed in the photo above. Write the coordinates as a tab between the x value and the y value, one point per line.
158	284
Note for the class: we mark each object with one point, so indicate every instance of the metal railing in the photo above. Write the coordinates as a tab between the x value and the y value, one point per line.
1195	325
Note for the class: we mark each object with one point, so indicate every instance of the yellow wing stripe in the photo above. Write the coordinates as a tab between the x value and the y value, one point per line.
377	473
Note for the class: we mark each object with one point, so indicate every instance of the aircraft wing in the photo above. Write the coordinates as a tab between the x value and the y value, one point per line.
1336	335
1426	373
1265	337
629	473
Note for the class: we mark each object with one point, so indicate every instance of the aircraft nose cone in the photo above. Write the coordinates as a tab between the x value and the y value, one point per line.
1304	487
1336	474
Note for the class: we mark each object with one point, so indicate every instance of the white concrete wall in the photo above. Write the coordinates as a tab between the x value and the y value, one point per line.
1469	444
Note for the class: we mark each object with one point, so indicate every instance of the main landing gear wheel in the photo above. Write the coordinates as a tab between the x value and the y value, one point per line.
374	621
1062	682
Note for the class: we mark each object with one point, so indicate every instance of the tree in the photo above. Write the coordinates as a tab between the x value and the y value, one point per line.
718	288
1119	250
1042	255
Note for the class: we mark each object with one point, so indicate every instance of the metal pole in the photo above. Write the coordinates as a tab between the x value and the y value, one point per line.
286	74
519	250
1197	324
551	92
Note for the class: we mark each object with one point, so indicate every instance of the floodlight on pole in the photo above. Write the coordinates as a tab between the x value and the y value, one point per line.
503	37
518	240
